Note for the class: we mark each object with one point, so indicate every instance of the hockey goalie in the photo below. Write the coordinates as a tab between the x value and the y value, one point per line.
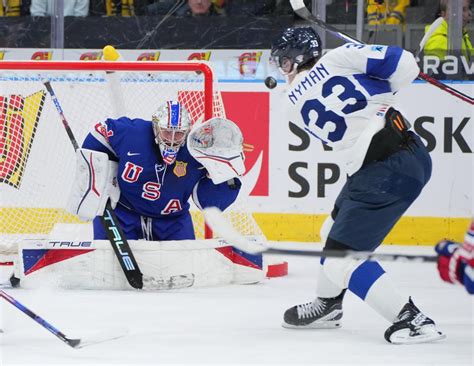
148	170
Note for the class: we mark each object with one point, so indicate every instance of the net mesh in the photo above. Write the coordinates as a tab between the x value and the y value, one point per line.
37	158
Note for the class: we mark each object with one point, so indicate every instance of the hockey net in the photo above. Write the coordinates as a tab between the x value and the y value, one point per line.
36	156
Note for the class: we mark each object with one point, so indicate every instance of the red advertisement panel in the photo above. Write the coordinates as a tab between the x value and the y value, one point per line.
251	112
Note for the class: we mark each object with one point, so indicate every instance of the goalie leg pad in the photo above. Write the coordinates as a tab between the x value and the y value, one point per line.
7	269
166	265
246	268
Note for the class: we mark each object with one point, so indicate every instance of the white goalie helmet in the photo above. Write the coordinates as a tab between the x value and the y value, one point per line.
171	124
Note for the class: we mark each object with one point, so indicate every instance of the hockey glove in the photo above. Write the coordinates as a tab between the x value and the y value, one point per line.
94	183
450	265
218	145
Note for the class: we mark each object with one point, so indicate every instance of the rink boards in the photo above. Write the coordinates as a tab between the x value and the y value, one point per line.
293	180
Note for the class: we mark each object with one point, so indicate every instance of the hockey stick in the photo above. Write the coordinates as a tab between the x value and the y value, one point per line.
72	342
302	11
221	225
355	255
109	220
428	34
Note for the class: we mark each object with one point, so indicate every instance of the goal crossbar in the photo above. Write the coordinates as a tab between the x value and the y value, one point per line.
123	66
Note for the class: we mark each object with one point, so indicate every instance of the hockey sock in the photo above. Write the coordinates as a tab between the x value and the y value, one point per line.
370	282
325	287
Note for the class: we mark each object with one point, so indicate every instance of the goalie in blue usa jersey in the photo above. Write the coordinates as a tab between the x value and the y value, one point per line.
343	99
150	169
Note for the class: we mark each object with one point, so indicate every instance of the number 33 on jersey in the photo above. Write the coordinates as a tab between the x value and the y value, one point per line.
338	98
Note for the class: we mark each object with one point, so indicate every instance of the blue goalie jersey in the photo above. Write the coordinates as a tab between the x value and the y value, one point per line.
148	186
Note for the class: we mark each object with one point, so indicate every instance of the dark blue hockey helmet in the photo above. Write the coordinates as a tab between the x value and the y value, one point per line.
295	48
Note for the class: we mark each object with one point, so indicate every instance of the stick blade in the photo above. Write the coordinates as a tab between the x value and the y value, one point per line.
220	225
432	28
297	4
98	337
74	343
301	10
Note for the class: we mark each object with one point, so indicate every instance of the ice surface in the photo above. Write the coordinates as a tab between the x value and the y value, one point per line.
235	324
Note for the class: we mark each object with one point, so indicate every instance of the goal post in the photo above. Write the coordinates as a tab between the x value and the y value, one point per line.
36	157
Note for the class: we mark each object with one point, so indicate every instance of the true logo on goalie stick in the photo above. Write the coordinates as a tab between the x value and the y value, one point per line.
19	118
118	242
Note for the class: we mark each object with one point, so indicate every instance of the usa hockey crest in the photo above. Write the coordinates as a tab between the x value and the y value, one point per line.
180	168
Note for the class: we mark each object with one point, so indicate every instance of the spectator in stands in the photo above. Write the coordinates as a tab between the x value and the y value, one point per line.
75	8
197	8
14	8
437	44
386	11
125	8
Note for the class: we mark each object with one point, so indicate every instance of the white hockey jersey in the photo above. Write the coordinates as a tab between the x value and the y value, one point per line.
342	100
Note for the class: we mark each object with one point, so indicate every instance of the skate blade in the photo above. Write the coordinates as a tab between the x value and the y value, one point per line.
328	324
430	335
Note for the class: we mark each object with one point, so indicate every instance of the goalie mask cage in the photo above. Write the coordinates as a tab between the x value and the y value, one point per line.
37	159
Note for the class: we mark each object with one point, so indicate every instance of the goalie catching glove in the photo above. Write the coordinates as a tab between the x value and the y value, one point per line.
218	145
95	182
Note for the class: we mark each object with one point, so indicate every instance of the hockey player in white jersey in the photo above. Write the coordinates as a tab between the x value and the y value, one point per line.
344	98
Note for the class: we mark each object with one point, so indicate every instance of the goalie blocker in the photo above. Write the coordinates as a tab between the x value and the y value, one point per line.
94	183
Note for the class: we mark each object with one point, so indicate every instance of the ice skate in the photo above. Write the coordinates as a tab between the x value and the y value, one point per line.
320	313
412	326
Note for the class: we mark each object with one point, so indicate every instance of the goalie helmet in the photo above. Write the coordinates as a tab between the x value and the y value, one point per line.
295	48
171	124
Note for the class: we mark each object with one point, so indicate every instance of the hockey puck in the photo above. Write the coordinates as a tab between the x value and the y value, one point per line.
270	82
277	269
14	281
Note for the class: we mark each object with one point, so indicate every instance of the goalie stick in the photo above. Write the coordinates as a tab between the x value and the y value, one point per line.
302	11
222	226
171	283
72	342
114	232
